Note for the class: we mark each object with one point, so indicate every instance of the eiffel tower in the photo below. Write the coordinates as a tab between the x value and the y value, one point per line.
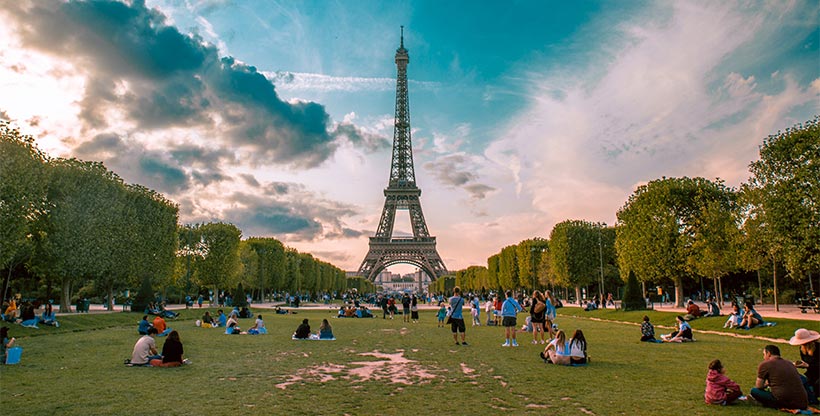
402	193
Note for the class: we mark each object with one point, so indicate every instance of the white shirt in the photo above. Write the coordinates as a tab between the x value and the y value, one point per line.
142	349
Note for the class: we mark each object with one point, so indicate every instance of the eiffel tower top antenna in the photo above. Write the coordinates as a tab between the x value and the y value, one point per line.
402	37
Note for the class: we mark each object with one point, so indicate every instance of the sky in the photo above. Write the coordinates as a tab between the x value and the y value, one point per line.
277	116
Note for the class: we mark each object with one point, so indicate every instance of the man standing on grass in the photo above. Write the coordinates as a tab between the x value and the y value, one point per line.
456	317
509	309
785	388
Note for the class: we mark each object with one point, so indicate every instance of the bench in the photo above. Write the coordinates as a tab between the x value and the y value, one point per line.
806	304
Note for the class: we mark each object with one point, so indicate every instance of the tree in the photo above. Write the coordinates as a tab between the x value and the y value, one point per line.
574	254
633	296
221	266
663	225
22	195
785	189
239	299
144	296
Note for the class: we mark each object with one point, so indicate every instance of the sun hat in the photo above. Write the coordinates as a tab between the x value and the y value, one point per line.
802	336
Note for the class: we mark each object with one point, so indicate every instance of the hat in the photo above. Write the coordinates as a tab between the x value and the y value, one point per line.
803	336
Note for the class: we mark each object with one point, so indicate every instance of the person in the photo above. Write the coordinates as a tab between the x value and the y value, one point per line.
712	308
476	310
222	319
497	304
751	318
207	320
456	316
609	300
578	348
684	332
809	342
549	316
538	311
441	315
199	301
692	310
303	331
647	330
258	327
325	330
383	304
5	343
405	307
509	309
145	349
414	308
778	383
489	308
143	325
557	351
27	316
232	326
734	318
391	306
49	317
11	311
171	352
279	311
159	324
719	388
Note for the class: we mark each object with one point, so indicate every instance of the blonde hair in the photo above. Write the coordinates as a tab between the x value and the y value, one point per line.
809	348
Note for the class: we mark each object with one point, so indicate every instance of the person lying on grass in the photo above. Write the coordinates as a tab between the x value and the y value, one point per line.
683	334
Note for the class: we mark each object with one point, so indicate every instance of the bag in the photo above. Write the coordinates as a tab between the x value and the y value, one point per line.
448	319
13	355
539	307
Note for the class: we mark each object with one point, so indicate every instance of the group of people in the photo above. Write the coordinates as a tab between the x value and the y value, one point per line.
26	314
145	351
303	331
779	383
351	311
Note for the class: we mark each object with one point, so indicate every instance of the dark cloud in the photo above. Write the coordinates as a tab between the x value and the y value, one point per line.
205	177
452	170
195	155
162	174
249	179
371	142
160	78
294	213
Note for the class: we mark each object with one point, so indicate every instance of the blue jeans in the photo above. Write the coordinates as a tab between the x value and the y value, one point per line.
764	397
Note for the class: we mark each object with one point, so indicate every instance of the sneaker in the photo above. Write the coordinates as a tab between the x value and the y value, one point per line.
534	341
742	398
506	344
543	342
57	324
515	343
464	343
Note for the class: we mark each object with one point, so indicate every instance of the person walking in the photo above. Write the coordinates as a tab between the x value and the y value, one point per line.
509	309
456	316
778	383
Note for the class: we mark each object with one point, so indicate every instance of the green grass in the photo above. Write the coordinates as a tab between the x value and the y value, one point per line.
77	369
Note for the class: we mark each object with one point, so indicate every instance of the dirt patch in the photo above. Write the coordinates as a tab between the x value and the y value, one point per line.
389	368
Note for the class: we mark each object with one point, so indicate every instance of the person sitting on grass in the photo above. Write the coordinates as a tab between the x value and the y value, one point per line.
778	384
809	342
303	331
647	330
325	331
207	320
143	325
5	343
712	308
578	348
145	349
751	318
734	318
222	319
258	327
162	329
557	351
719	388
232	327
28	318
692	310
49	317
683	334
279	311
171	352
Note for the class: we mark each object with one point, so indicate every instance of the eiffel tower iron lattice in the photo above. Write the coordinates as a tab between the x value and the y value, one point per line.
402	193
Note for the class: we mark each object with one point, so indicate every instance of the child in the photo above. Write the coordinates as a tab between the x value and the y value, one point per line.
442	312
647	330
719	388
734	318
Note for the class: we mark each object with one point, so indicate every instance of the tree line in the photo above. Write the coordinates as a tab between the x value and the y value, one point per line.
67	224
672	230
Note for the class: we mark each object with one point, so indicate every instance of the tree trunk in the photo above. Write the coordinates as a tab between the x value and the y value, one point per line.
578	294
65	303
111	297
6	284
678	292
774	279
720	286
759	286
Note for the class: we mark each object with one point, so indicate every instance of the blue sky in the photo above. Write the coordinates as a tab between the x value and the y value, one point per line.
277	116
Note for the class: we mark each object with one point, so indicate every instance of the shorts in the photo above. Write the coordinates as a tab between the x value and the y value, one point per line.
509	321
457	325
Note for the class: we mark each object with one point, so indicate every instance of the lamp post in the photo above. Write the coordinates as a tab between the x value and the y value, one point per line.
601	227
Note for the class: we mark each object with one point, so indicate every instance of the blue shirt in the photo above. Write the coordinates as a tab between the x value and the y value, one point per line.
456	302
510	307
223	320
143	328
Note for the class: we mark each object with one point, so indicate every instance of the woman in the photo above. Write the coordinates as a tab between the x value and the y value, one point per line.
751	318
303	331
647	330
734	318
684	332
809	342
325	331
538	311
171	352
578	348
5	343
550	313
207	320
414	308
557	351
258	327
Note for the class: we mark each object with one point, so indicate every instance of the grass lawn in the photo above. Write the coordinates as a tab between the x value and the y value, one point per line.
376	367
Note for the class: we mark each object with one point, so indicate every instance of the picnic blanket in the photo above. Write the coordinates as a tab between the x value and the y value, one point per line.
313	337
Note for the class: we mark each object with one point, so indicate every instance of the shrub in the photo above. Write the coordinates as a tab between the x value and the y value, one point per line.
633	299
239	299
144	296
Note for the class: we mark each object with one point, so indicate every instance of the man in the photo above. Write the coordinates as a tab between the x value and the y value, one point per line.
144	326
405	307
692	310
222	319
785	388
456	318
145	349
509	309
160	326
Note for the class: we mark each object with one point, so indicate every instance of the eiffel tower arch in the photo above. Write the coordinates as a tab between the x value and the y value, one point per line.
402	193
